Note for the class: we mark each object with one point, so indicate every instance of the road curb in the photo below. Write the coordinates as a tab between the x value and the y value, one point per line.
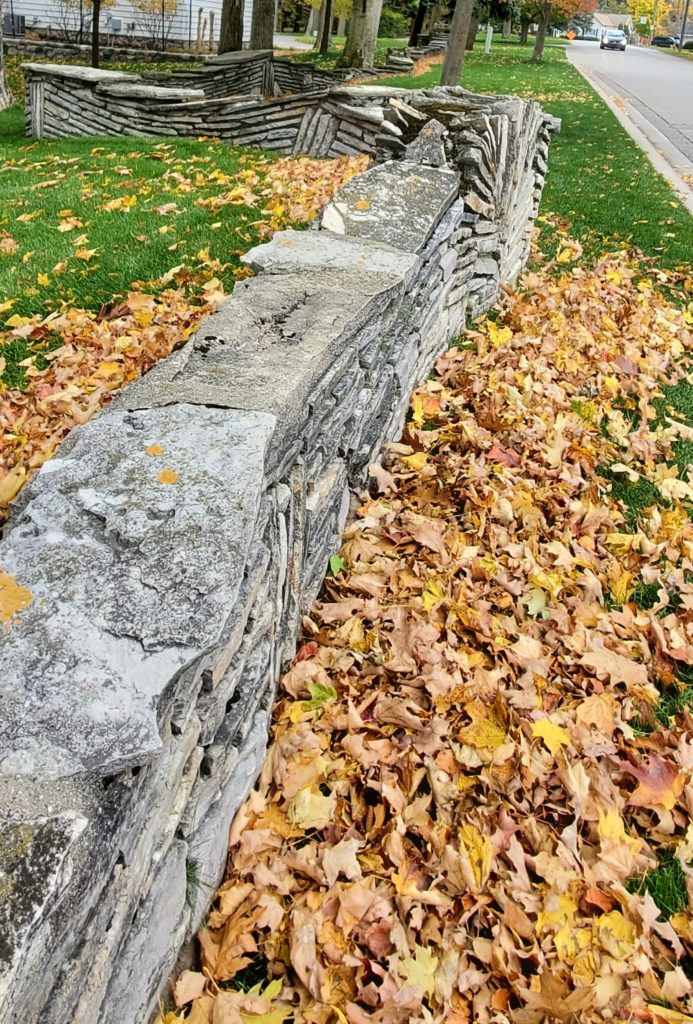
660	163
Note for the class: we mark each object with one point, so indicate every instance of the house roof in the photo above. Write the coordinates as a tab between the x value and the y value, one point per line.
612	20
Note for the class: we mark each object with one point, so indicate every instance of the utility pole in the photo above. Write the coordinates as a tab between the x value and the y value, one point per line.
682	37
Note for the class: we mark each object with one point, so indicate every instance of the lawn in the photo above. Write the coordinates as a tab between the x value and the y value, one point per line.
81	220
599	181
329	59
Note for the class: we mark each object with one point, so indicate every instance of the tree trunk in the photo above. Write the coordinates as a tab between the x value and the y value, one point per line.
543	22
372	32
231	29
525	22
473	29
262	28
325	33
418	22
5	94
507	28
454	55
356	49
341	27
312	18
95	24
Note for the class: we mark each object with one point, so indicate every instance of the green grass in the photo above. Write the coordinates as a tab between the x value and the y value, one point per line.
328	60
666	885
599	181
69	184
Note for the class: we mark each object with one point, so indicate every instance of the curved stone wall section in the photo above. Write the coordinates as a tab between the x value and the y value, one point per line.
154	571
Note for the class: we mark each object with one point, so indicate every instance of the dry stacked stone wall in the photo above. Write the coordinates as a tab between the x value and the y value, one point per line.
161	561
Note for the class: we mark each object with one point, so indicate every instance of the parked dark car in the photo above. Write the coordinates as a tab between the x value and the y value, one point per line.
664	41
613	39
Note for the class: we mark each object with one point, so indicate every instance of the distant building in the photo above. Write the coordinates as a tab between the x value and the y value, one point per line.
603	20
122	23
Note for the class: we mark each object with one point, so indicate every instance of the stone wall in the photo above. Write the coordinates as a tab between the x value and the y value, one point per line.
154	572
57	48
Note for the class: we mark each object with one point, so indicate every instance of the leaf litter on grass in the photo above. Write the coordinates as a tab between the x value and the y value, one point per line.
460	817
75	359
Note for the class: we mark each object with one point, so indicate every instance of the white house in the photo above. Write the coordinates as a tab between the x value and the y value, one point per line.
122	22
602	20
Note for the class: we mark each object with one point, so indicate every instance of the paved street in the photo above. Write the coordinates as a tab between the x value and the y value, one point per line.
654	88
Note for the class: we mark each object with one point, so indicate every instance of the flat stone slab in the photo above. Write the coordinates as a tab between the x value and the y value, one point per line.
398	203
140	91
291	252
270	346
80	73
127	552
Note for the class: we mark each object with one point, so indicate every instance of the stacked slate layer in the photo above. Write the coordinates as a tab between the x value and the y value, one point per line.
59	48
165	555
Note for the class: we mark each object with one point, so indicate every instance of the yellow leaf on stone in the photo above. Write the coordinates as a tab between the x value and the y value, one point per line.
154	449
362	204
554	736
420	970
168	476
479	851
13	597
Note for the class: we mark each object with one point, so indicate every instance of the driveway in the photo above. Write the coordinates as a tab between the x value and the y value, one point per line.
653	89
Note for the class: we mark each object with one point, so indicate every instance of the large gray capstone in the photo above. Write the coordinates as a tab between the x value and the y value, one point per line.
291	252
398	203
132	546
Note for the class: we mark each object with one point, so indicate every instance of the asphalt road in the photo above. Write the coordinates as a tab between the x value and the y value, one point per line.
654	87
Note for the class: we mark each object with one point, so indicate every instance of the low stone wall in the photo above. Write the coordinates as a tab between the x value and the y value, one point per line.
153	573
57	48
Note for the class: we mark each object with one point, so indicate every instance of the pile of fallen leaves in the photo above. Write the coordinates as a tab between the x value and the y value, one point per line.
78	358
471	781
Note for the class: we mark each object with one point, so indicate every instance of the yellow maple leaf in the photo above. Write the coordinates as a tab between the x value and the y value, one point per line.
310	808
616	935
479	852
168	476
498	335
559	910
417	461
43	280
434	592
85	254
420	969
417	411
154	449
7	304
554	736
488	728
